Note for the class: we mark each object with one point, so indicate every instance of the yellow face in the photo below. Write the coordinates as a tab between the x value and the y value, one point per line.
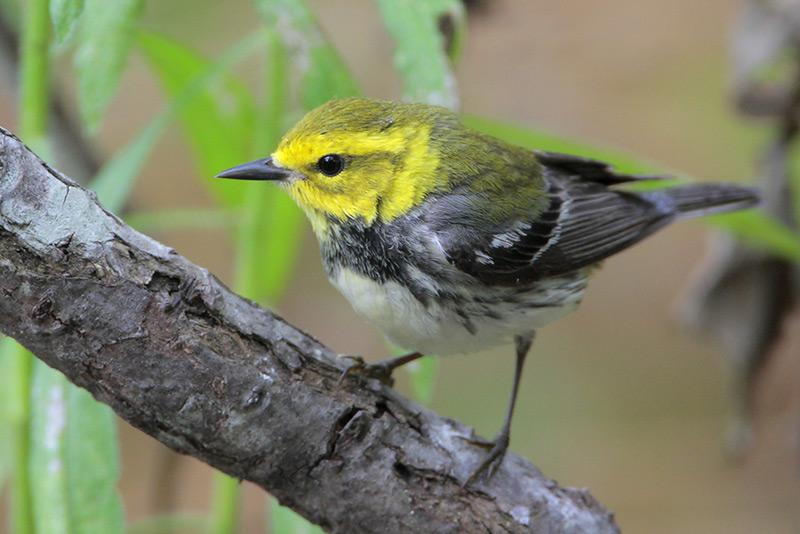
345	167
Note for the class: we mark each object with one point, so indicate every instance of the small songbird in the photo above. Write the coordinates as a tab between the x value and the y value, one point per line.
450	240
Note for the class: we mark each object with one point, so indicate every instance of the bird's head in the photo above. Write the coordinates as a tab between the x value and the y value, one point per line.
356	158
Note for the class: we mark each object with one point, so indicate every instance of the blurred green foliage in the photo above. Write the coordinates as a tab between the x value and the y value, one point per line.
64	461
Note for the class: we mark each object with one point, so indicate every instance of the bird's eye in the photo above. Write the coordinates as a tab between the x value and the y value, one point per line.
330	164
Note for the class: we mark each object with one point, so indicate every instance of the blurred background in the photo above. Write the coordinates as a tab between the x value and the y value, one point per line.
617	397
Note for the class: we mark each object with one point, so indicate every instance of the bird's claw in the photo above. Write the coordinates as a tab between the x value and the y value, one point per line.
379	371
478	441
491	462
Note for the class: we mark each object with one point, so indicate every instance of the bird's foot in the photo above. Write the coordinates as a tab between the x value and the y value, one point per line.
497	450
381	371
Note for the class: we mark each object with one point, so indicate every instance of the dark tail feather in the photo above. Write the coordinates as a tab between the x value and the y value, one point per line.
709	199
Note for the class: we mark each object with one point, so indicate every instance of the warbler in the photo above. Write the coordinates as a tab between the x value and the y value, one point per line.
450	240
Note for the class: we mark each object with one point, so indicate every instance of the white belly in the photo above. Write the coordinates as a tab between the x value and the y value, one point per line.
438	328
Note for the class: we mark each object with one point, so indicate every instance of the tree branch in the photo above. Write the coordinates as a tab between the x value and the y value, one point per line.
212	375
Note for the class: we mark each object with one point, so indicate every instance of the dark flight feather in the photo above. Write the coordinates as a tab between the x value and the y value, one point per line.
585	222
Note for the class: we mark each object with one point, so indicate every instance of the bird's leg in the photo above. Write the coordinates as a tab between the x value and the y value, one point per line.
382	370
499	444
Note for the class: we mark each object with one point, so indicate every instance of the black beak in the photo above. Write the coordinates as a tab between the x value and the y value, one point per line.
260	169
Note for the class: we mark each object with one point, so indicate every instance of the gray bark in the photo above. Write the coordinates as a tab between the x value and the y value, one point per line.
214	376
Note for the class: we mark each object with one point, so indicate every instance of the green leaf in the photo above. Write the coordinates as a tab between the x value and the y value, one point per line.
10	411
269	235
168	524
420	55
73	460
12	355
114	183
285	521
90	452
793	181
323	72
34	75
19	365
64	14
327	78
268	242
183	219
761	231
283	224
47	462
106	36
422	373
115	180
225	505
540	140
6	430
219	120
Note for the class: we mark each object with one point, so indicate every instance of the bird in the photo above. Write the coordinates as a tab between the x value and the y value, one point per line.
450	240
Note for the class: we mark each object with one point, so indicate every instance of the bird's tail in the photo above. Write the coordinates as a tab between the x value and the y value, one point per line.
698	200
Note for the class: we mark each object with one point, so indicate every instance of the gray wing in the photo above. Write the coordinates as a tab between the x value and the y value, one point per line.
585	222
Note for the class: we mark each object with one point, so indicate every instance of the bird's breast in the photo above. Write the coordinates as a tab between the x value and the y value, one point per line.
456	320
401	282
402	318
